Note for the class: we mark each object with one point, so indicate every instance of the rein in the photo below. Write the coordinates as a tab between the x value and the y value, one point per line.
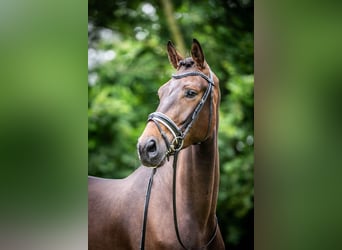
174	147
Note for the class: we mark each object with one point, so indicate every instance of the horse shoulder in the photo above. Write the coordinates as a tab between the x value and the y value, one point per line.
114	209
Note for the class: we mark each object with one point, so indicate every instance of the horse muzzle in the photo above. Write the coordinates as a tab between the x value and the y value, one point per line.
151	152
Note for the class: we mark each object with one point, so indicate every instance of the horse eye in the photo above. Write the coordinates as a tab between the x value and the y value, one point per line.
189	93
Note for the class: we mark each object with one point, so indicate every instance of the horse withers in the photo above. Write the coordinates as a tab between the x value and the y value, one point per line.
170	201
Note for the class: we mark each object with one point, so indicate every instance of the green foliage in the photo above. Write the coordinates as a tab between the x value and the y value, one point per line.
128	63
236	154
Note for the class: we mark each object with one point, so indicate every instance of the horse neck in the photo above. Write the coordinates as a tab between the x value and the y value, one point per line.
198	180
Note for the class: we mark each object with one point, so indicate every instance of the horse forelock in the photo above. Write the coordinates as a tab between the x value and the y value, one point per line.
188	64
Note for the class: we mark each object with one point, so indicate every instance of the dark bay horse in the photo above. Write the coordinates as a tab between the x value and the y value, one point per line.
179	153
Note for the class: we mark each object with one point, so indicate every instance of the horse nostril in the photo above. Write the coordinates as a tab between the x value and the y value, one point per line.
151	146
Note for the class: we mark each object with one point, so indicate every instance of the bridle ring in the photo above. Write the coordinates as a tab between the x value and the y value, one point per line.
177	144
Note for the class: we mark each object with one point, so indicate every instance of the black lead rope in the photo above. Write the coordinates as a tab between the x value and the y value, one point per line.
175	208
174	199
147	200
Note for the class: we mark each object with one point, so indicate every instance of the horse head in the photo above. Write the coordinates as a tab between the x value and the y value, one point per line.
187	109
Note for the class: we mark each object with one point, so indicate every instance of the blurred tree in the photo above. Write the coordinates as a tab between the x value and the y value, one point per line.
127	63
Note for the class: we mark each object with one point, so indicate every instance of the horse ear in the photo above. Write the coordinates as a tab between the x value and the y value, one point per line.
174	56
197	53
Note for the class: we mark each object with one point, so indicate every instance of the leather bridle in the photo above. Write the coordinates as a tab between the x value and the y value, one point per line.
175	146
179	134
